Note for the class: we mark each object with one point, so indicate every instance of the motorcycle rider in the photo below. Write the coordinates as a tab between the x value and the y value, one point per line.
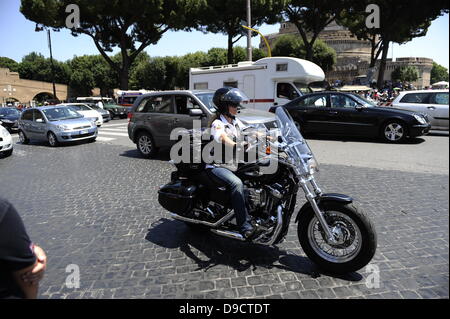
226	129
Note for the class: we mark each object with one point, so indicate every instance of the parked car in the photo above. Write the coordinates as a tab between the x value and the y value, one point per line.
348	114
105	114
434	103
6	143
154	116
115	110
86	111
55	124
9	117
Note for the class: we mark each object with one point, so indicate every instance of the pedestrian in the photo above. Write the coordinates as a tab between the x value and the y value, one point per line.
22	263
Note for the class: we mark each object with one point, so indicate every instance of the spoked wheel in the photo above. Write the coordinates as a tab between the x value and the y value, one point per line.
145	145
22	138
394	132
355	238
52	140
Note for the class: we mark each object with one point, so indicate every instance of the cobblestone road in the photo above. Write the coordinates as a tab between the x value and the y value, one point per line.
95	206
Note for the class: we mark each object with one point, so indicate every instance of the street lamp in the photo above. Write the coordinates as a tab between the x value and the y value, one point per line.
249	32
49	39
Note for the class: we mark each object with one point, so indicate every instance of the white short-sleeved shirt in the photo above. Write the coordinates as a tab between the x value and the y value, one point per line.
232	130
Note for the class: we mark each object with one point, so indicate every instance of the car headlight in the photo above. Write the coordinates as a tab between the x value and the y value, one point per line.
420	119
7	121
63	127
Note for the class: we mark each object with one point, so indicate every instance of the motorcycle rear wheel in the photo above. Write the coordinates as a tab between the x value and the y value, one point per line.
357	240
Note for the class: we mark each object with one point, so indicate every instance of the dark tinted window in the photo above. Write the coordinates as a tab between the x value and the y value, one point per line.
314	101
439	98
38	115
415	98
286	91
156	104
340	100
27	115
184	103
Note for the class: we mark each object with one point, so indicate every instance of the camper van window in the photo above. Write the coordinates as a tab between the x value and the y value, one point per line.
286	91
233	84
282	67
201	86
303	88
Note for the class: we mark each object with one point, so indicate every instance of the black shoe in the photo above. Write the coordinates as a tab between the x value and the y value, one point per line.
248	232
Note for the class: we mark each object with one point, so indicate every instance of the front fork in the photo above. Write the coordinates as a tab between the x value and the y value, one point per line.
312	200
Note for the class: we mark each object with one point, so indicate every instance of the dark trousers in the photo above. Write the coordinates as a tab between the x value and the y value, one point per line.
236	188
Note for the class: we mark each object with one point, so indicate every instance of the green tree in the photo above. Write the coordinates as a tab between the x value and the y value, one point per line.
311	17
8	63
405	74
227	17
438	73
35	66
131	25
293	46
400	22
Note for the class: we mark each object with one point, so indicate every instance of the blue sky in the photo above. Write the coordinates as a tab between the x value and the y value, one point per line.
18	38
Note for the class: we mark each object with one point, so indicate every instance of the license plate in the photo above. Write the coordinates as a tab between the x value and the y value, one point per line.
121	113
83	132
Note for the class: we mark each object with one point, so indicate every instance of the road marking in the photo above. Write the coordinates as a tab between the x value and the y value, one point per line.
110	133
111	125
105	139
113	130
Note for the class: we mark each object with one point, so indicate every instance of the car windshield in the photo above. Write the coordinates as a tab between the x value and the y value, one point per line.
61	113
363	101
207	100
9	112
302	87
80	107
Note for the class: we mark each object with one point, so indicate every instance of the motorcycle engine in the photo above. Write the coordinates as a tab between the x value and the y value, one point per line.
256	198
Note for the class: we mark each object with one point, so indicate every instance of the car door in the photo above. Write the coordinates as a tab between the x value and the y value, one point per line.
417	102
285	92
183	104
439	105
25	123
311	112
156	114
39	125
350	118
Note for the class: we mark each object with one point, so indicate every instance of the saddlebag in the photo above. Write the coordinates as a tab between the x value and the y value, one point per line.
177	198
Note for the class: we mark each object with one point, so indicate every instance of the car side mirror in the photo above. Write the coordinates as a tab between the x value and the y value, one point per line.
196	112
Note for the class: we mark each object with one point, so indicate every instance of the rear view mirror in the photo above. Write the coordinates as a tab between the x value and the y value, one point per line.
195	112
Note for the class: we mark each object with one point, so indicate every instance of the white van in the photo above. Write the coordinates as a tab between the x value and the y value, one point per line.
267	82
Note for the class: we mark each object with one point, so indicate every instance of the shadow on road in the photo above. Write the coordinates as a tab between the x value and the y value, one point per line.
162	155
240	256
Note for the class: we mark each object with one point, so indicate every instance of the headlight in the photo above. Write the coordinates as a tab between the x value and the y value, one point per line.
420	119
7	121
63	127
313	166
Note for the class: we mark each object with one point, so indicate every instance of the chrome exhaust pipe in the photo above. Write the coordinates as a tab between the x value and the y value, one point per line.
278	227
228	234
196	221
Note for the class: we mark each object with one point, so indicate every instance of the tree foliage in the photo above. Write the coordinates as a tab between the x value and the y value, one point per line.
293	46
405	74
227	17
35	66
438	73
131	25
9	64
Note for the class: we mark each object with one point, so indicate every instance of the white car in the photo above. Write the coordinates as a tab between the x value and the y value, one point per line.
86	111
434	103
6	143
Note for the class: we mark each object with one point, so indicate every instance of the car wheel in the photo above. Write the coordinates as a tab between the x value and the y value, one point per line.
52	140
22	138
92	140
112	115
7	153
394	132
146	145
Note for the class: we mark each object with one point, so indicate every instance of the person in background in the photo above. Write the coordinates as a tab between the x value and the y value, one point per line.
22	263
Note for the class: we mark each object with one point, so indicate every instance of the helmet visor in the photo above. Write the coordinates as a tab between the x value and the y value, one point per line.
236	97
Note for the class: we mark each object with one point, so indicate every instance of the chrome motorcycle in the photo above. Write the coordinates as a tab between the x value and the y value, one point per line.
333	232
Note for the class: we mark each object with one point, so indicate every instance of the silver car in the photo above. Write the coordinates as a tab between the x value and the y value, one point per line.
155	115
55	124
434	103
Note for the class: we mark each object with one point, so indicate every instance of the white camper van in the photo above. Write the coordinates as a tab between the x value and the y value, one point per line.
267	82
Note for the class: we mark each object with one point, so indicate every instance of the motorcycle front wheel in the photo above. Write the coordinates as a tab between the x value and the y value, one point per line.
355	235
